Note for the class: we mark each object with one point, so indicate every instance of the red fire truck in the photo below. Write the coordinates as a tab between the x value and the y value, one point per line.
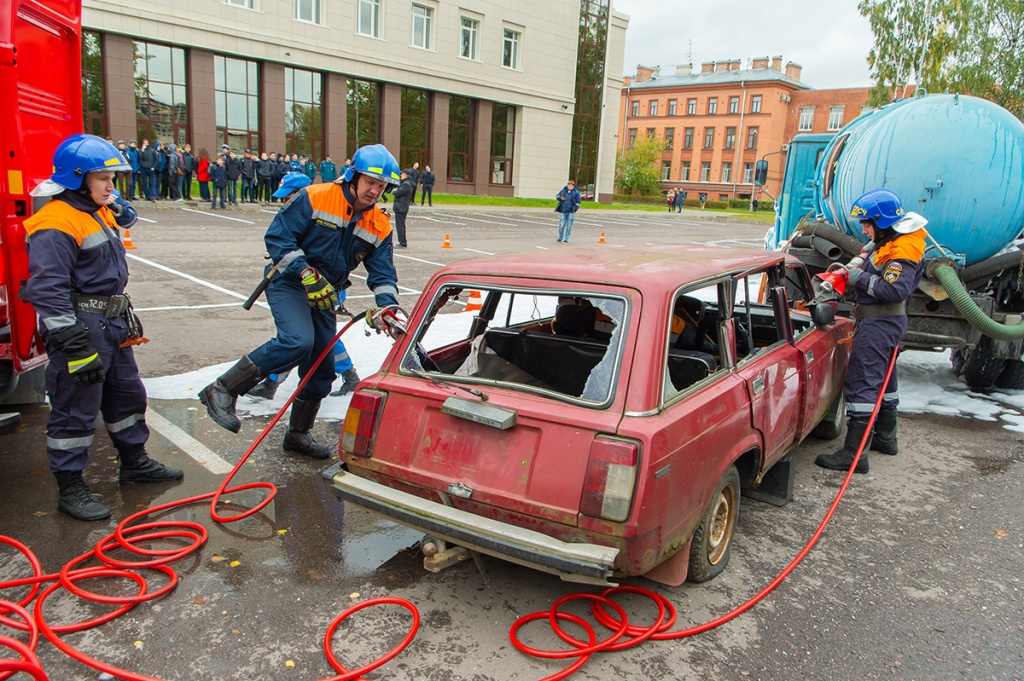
41	91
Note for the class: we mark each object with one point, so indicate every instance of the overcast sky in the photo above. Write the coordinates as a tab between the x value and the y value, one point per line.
828	38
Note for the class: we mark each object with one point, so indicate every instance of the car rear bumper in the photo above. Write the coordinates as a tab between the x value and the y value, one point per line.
584	563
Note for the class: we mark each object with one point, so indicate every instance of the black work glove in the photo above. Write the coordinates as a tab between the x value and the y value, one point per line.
84	363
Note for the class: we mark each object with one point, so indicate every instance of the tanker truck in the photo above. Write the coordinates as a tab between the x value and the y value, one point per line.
959	162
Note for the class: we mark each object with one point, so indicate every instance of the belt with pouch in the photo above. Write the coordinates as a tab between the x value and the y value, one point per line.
110	306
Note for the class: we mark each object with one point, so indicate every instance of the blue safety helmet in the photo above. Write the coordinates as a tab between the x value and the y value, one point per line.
81	154
292	182
881	206
376	161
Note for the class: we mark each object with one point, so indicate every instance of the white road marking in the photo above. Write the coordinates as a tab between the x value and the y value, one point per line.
272	212
183	307
473	250
218	215
197	280
188	444
139	217
426	262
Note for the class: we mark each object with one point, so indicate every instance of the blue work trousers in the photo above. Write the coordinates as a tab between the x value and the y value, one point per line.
302	334
565	225
873	343
121	398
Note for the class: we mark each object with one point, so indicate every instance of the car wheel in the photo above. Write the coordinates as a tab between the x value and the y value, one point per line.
1012	377
831	426
982	367
711	543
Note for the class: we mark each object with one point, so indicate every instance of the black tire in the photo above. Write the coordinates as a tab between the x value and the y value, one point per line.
982	367
712	541
830	427
1012	376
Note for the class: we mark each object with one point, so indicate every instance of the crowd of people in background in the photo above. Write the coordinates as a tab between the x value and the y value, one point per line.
167	172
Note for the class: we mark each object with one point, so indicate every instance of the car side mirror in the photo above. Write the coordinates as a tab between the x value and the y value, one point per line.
823	315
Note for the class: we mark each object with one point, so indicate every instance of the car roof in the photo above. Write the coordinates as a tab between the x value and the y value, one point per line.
640	267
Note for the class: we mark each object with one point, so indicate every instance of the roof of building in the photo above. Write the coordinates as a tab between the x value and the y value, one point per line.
718	78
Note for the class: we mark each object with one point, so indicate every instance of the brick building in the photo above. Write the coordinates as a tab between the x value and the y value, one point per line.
718	122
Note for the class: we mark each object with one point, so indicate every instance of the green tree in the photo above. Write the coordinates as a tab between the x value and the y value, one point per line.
636	171
993	68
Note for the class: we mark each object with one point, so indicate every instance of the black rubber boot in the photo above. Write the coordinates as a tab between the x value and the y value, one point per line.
75	498
219	397
351	381
884	438
841	460
298	439
266	389
136	466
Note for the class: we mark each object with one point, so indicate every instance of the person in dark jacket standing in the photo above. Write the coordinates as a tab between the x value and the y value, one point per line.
189	166
428	186
233	168
888	270
77	277
414	173
175	171
147	165
308	168
402	198
265	177
328	171
568	204
315	242
219	180
284	166
133	161
248	177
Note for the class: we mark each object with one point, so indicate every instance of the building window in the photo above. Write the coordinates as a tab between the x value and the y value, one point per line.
632	137
367	17
864	108
460	139
510	49
248	4
709	138
727	172
751	138
705	171
651	132
236	100
755	104
688	138
806	118
303	113
684	172
748	173
730	138
671	107
636	109
652	108
734	105
308	10
503	134
363	113
835	117
92	85
712	105
421	26
666	170
415	128
467	42
691	107
670	136
161	103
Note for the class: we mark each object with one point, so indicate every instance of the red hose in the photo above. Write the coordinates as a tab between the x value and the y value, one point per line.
659	630
130	537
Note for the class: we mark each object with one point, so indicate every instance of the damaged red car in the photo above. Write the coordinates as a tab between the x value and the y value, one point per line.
602	413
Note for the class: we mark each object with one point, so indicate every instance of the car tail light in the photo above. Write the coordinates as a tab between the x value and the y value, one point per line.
611	479
361	422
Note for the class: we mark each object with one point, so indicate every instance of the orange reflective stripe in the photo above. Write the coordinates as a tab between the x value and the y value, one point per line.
904	247
62	217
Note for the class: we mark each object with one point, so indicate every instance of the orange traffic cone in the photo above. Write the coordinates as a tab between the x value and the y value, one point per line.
601	240
447	242
127	241
475	302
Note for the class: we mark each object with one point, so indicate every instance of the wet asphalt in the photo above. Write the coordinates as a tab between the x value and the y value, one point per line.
918	576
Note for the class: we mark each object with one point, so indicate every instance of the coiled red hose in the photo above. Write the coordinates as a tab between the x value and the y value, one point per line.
659	630
131	537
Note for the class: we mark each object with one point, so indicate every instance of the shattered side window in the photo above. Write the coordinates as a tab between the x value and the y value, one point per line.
563	342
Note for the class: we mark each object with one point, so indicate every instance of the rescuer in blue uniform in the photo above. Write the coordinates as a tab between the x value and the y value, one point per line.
77	277
323	233
891	270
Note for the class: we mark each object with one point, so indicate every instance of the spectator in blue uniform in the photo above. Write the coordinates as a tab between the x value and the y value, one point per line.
77	276
315	241
328	170
890	270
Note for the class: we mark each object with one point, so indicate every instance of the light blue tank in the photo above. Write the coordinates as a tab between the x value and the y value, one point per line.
956	160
